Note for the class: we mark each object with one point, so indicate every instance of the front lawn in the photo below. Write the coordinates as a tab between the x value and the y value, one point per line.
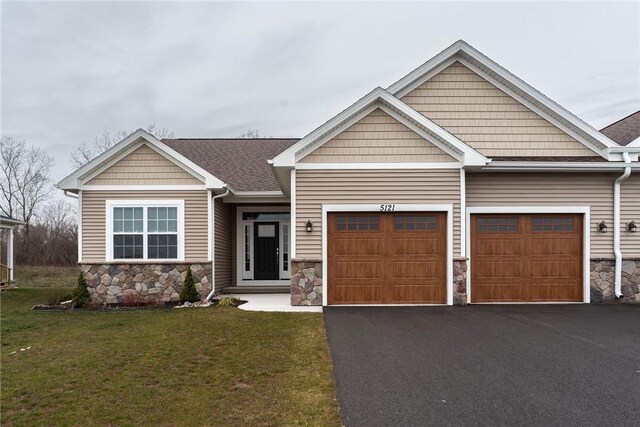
207	366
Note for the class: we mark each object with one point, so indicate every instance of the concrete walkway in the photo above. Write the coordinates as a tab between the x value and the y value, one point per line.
272	302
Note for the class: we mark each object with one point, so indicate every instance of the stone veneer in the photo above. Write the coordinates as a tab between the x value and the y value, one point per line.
460	282
306	282
603	281
154	283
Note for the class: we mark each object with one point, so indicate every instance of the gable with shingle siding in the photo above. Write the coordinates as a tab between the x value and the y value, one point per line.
488	119
378	138
144	166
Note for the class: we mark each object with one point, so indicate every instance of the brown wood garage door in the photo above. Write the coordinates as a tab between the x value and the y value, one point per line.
386	258
526	258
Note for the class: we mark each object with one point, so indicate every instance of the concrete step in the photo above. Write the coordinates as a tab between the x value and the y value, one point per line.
284	289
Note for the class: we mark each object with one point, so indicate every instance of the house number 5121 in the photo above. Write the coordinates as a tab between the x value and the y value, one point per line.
387	208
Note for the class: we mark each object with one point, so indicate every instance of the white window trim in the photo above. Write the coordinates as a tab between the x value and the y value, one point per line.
285	274
246	278
586	237
447	208
110	204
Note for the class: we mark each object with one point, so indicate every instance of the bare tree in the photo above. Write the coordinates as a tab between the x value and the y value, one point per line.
86	152
251	133
24	179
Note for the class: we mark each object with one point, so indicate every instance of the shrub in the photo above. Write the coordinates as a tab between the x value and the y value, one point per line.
132	299
55	296
189	293
80	295
229	302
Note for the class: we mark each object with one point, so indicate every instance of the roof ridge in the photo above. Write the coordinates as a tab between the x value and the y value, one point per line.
619	120
228	139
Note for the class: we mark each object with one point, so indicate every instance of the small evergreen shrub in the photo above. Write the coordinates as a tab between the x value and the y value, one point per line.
80	295
189	293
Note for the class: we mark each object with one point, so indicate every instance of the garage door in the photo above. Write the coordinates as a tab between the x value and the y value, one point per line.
526	258
386	258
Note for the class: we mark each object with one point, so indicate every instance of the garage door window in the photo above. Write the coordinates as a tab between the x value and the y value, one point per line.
504	225
553	224
357	223
416	222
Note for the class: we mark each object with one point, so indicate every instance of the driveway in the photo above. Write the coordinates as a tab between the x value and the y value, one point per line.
487	365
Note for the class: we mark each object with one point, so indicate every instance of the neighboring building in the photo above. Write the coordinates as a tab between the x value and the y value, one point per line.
7	225
459	183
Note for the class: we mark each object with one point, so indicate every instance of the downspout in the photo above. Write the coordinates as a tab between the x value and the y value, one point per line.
616	224
213	250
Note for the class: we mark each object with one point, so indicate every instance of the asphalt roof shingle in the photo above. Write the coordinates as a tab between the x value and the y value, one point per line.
242	163
624	130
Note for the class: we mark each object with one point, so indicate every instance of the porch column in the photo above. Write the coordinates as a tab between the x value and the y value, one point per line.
10	253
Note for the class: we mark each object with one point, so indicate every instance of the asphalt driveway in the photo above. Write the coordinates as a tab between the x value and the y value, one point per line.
487	365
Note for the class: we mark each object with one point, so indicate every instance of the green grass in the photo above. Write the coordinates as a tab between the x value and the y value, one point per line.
214	366
28	276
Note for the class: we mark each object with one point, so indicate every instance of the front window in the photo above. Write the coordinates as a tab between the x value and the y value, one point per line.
145	231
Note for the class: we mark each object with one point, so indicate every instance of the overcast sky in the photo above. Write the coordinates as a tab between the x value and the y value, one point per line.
73	70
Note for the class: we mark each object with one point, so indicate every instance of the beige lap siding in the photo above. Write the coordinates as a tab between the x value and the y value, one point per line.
144	166
550	189
223	237
317	187
630	210
94	220
378	138
488	119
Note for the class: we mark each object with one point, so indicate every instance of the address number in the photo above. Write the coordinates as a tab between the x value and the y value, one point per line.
387	208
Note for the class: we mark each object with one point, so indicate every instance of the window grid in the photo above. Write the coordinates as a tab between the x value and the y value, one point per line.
247	247
144	232
357	223
416	222
504	225
285	247
552	224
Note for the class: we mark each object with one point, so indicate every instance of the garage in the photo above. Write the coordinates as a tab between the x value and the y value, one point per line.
527	258
386	258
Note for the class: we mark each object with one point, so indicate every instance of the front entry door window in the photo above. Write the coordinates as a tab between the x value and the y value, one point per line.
266	251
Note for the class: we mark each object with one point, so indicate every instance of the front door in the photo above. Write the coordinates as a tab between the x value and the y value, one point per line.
266	251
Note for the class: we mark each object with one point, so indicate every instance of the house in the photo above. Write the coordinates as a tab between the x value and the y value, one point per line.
460	183
8	225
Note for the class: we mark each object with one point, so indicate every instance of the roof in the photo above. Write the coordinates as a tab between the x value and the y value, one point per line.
624	130
5	220
241	163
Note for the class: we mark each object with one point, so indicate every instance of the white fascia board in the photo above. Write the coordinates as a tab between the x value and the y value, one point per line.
464	50
380	98
557	166
75	179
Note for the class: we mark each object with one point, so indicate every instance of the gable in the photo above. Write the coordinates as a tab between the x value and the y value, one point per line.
487	119
378	138
144	166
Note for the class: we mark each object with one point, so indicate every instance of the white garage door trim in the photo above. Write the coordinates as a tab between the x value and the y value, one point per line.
585	210
448	209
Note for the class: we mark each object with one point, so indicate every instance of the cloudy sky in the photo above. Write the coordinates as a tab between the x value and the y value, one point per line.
73	70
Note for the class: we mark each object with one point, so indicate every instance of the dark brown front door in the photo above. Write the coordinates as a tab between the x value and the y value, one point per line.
526	258
266	257
387	258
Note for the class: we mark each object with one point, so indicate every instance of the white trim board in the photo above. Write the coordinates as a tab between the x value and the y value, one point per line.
447	208
586	238
240	280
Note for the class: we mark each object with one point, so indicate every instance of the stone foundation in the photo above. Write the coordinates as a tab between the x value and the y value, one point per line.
153	283
460	282
306	282
603	281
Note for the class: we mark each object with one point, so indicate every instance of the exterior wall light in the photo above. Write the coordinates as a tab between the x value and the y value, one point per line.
602	227
308	226
632	226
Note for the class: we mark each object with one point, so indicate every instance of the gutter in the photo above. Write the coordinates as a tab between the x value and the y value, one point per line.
616	224
68	194
213	240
